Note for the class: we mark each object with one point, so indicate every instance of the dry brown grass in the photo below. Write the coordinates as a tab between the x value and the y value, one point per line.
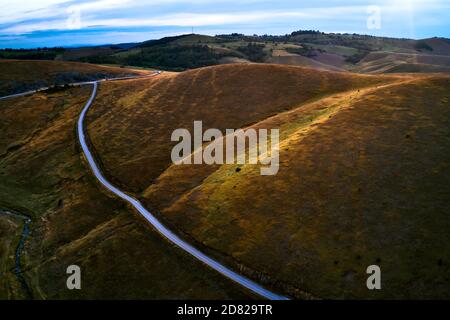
75	222
390	62
301	61
131	122
363	180
23	75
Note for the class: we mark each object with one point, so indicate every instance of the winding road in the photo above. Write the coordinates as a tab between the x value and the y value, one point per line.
74	84
164	231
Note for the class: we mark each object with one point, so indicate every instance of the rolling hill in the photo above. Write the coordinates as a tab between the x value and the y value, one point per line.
356	152
392	62
228	96
307	48
335	52
42	175
363	178
23	75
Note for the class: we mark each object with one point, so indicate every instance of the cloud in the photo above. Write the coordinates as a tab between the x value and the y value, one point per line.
10	12
185	19
33	17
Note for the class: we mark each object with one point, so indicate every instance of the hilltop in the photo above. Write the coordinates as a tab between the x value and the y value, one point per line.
227	96
363	180
308	48
43	176
356	153
22	75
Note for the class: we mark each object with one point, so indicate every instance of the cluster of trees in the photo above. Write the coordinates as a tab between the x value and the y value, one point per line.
303	32
171	53
357	57
231	36
163	41
254	52
171	57
175	57
422	45
31	54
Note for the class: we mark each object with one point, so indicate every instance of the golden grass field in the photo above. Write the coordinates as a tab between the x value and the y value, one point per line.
143	113
22	75
367	186
364	179
390	62
75	222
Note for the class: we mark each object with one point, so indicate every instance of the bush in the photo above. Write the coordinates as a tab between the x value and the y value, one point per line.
31	54
254	52
357	57
422	45
303	51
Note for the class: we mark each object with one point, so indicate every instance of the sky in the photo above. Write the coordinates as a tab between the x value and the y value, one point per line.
38	23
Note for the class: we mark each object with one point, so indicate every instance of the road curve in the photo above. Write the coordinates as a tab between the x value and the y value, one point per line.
74	84
168	234
20	248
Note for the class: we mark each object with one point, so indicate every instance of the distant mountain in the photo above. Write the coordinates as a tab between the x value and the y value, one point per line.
325	51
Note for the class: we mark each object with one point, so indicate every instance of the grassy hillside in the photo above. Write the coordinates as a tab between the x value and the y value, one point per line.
142	114
307	48
23	75
286	58
75	222
363	177
364	184
390	62
337	52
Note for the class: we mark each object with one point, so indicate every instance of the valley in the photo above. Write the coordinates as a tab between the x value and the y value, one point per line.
363	173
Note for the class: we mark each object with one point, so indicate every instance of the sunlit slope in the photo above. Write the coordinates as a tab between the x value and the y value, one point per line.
130	124
390	62
317	58
438	45
23	75
74	221
364	179
301	61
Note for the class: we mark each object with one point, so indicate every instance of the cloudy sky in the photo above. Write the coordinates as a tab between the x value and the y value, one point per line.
33	23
